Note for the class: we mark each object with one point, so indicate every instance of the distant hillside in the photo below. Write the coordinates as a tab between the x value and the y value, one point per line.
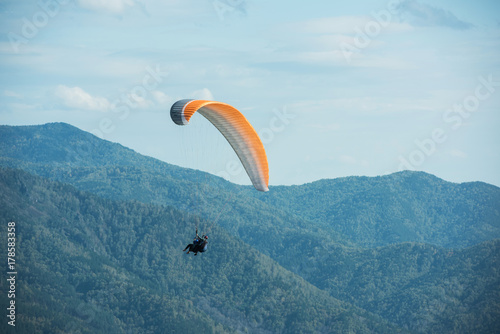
369	212
417	251
91	265
402	207
63	147
99	266
130	176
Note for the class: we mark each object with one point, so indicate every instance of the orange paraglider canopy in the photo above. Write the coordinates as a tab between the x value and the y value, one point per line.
236	129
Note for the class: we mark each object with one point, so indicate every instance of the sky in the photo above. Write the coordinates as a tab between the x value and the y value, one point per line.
333	88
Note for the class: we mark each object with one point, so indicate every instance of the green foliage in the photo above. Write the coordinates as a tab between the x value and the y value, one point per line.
93	265
419	287
407	251
402	207
354	211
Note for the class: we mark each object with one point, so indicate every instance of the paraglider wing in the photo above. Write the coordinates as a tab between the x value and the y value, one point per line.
236	129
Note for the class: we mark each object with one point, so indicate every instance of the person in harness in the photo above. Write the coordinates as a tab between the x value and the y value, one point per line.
200	244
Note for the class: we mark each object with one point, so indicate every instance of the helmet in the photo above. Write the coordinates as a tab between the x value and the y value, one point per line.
206	237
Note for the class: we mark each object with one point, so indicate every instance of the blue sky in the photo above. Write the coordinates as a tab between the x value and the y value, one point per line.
359	88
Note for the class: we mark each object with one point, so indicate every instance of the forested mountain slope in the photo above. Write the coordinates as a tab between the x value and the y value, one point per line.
405	206
420	287
93	265
369	212
418	251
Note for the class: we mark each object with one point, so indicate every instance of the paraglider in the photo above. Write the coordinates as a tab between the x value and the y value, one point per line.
200	244
241	136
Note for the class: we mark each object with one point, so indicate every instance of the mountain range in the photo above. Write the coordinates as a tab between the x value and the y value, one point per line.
101	230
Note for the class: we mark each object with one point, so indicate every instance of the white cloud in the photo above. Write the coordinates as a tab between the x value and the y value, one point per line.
77	98
161	98
202	94
339	40
10	93
107	6
151	101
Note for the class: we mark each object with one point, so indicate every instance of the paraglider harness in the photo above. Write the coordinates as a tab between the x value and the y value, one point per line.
200	244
